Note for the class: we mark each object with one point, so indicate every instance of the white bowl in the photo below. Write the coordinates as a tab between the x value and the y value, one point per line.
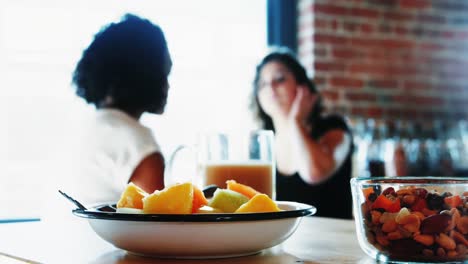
195	235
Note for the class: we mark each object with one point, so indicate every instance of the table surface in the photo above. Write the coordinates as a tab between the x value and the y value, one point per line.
317	240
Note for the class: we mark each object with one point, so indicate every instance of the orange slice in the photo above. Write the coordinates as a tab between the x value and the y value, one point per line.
132	197
175	199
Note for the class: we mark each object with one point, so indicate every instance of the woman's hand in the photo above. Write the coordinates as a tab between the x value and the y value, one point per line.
302	105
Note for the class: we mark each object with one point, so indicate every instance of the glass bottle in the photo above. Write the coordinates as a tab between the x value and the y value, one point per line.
399	155
444	156
376	150
411	146
421	164
461	140
360	147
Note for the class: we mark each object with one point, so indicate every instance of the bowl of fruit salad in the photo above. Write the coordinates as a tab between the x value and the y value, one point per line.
181	222
412	219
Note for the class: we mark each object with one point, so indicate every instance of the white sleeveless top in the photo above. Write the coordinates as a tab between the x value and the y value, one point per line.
112	146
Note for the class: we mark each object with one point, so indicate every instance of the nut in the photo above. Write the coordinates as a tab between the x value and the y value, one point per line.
462	225
440	252
419	214
455	217
459	237
426	240
403	192
452	254
387	216
389	226
462	249
445	241
410	222
375	215
395	235
428	252
404	232
403	212
409	199
428	212
382	240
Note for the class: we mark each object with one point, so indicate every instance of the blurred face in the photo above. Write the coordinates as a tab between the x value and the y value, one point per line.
277	88
165	88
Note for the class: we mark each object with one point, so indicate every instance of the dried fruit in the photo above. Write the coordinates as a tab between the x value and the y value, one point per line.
389	191
435	224
389	205
434	201
453	201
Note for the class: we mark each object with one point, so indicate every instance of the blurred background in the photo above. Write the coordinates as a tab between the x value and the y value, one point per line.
214	46
395	68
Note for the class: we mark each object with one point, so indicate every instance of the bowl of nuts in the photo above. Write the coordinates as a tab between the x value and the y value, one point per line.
412	219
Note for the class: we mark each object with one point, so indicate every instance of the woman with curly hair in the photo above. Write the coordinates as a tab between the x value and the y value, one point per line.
313	150
123	73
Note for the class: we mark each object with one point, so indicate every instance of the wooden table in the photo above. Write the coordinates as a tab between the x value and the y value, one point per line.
317	240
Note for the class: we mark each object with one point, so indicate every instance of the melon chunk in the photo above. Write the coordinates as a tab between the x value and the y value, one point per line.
227	201
132	197
260	203
246	190
175	199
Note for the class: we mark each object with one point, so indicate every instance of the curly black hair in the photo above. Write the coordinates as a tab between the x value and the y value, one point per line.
128	62
286	57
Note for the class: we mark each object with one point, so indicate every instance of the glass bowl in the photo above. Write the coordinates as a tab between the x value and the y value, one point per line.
412	219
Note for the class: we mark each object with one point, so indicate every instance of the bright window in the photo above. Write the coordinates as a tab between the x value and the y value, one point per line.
214	46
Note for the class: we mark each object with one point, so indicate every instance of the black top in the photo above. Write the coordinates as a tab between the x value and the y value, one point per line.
332	198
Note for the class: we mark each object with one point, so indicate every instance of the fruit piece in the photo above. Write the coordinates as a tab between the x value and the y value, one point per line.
391	206
434	201
435	224
367	191
260	203
207	210
419	205
199	199
227	201
389	191
246	190
175	199
453	201
132	197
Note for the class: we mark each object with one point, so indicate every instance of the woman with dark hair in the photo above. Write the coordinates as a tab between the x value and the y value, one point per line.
123	73
313	150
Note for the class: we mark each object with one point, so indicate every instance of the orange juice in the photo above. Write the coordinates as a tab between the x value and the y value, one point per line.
256	175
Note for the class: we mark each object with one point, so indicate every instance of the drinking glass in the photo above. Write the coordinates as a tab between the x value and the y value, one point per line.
248	158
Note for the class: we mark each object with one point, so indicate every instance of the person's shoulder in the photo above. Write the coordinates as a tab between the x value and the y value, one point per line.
334	121
120	123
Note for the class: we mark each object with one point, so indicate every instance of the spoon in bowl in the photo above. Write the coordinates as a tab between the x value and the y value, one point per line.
75	202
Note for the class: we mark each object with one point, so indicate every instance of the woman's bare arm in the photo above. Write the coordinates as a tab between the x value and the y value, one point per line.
149	174
317	160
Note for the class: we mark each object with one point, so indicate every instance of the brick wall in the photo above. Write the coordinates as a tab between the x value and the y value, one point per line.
388	58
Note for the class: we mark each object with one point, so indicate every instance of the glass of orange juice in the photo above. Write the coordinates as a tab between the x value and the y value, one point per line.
245	158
